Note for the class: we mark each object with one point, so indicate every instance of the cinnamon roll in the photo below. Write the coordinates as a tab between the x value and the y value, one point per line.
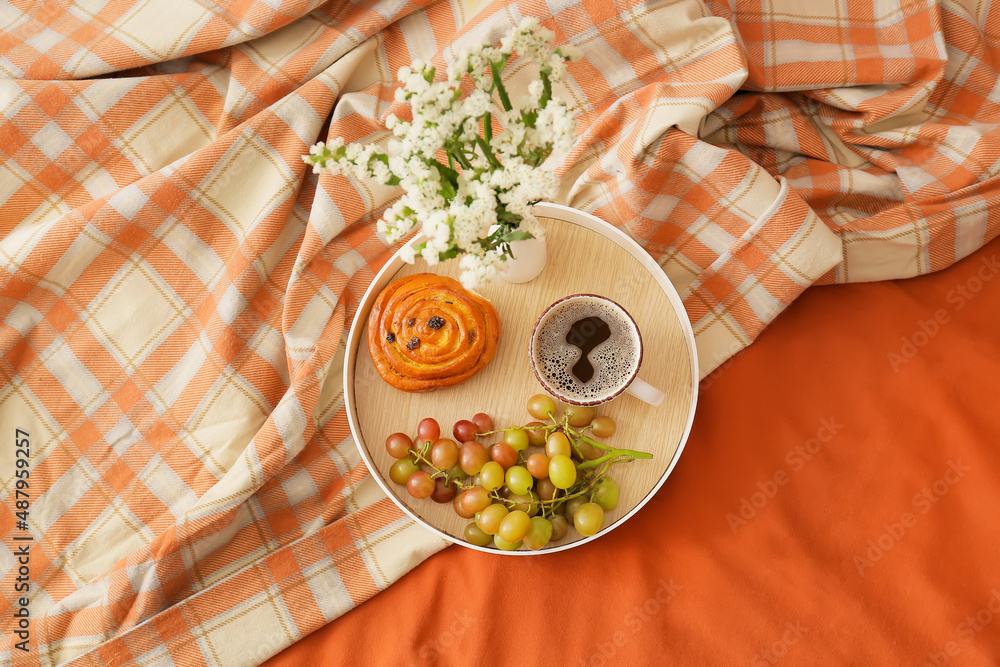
426	331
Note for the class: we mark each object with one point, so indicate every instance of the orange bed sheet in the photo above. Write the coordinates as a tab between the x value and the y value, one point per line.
836	504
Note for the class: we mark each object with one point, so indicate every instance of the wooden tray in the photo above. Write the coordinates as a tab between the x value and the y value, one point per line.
585	254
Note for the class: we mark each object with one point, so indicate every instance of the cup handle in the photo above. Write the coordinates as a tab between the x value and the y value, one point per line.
645	392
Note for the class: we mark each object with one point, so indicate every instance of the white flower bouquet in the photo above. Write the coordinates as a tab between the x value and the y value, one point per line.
477	200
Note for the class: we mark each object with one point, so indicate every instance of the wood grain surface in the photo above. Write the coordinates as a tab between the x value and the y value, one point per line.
580	260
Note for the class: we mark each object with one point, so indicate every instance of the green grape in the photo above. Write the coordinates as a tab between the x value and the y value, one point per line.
546	489
562	471
514	526
456	472
540	405
579	415
526	503
401	470
504	545
489	519
491	475
572	505
558	443
603	427
475	535
606	493
517	438
519	480
536	435
539	534
588	519
589	451
559	527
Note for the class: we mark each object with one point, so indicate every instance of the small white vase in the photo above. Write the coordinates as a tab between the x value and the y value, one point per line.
526	262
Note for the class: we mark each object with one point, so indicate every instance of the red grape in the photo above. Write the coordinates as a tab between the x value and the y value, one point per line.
476	499
483	422
428	430
503	454
444	454
398	445
464	430
459	509
420	484
443	491
538	466
473	456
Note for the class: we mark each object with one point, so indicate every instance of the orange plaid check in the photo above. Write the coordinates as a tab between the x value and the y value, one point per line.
174	285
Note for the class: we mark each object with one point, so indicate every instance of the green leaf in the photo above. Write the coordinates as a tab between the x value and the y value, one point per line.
506	217
516	235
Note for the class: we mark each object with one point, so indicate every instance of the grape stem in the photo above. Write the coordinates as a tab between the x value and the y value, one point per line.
437	471
616	455
592	442
514	428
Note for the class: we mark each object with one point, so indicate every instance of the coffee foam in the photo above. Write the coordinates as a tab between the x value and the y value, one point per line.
615	361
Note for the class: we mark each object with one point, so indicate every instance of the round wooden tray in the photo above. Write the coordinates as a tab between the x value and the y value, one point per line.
585	254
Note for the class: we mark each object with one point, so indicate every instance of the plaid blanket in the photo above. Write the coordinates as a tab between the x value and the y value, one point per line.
174	283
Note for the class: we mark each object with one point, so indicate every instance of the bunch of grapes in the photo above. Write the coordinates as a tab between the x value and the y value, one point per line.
527	488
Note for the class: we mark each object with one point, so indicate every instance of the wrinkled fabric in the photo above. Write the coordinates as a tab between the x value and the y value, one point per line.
174	283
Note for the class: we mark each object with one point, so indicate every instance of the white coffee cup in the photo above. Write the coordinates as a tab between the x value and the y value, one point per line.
566	329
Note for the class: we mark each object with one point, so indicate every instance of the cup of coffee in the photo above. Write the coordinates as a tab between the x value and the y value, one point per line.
586	349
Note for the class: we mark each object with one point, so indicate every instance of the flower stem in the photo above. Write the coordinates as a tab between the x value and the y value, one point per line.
488	153
495	69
